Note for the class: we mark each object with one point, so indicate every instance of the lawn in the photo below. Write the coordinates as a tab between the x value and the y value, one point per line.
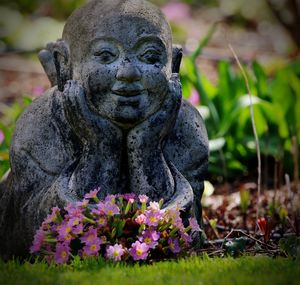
196	270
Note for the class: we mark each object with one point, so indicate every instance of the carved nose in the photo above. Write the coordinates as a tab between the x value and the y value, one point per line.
128	72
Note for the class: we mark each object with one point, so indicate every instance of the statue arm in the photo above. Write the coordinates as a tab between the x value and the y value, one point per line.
150	172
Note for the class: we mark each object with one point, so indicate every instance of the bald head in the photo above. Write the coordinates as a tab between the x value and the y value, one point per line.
117	18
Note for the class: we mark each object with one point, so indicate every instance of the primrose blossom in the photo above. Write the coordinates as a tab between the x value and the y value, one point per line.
62	253
115	252
139	251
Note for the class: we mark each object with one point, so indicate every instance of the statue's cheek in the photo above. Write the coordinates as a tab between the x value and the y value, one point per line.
156	81
96	74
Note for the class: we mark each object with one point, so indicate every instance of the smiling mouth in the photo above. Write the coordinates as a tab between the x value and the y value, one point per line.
127	97
125	100
127	92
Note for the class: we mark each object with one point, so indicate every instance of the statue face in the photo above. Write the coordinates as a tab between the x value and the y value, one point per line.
125	69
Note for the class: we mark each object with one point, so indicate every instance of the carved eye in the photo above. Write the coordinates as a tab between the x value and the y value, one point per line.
151	56
105	56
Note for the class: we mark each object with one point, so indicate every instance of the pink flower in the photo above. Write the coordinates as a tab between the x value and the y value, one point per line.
194	224
194	97
143	198
115	252
154	206
38	241
89	236
78	229
74	211
74	222
100	209
153	217
110	199
84	203
92	247
61	253
173	216
130	201
176	11
174	245
53	216
139	251
37	91
92	194
186	238
128	196
101	221
64	232
140	219
111	209
150	237
1	136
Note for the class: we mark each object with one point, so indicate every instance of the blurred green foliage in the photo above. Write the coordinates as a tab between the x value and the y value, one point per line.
276	101
7	126
59	9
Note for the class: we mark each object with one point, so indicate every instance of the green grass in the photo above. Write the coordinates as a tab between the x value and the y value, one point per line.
197	270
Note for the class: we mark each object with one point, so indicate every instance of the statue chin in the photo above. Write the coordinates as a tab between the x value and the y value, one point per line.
127	117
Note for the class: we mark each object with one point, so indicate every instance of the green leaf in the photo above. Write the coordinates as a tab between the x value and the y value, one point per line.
290	245
261	80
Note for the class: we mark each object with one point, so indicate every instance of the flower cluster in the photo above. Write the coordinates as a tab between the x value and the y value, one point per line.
121	227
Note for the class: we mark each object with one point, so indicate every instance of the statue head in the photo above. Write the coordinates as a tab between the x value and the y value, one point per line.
121	52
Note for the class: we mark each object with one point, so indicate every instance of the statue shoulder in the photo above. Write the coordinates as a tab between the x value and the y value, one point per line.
190	123
35	118
187	145
38	134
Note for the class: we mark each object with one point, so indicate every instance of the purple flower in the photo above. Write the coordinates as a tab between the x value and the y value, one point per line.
64	232
110	199
89	236
194	224
153	217
173	216
111	209
139	251
186	238
92	248
38	241
143	198
92	194
1	136
53	216
61	253
101	221
150	237
74	211
115	252
78	229
84	203
100	209
174	245
194	97
128	196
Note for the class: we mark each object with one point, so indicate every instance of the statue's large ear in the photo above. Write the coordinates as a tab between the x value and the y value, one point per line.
55	60
176	58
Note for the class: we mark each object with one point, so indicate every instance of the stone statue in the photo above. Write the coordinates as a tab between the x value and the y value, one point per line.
113	119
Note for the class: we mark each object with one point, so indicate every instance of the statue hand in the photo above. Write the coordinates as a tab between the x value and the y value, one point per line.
156	127
90	127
